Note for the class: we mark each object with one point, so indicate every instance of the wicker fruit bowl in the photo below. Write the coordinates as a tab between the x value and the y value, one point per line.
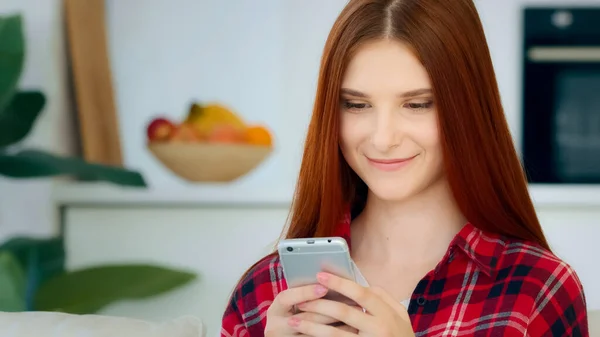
209	162
212	144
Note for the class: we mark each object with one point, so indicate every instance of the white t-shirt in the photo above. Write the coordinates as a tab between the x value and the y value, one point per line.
360	279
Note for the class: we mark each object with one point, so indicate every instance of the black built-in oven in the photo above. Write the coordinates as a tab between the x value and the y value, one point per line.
561	95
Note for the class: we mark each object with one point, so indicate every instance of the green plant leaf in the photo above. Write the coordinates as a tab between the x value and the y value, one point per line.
12	54
35	164
40	259
87	291
19	116
12	283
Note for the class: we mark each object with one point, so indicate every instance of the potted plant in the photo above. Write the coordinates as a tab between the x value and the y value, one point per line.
32	270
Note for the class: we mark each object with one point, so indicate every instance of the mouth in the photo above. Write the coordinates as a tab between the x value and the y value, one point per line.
390	164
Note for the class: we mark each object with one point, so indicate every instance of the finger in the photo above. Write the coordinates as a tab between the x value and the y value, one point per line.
400	309
349	329
345	327
361	295
317	330
287	299
317	318
350	315
279	327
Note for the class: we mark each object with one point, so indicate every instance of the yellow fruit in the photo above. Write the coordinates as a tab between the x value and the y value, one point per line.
205	118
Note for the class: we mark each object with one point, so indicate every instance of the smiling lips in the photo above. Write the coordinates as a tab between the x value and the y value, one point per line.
389	164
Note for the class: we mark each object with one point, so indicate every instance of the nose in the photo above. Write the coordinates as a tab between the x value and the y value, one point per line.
386	133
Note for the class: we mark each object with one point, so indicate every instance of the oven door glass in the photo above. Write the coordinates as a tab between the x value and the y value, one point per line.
561	140
576	124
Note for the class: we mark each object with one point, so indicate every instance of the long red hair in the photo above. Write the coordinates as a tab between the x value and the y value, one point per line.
481	164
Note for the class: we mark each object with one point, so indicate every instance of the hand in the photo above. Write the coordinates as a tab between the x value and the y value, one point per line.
282	309
384	317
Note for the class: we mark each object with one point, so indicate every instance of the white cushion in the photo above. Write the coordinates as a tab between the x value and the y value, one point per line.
52	324
594	322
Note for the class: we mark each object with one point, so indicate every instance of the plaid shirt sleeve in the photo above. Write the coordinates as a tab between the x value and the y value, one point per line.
246	311
560	306
233	323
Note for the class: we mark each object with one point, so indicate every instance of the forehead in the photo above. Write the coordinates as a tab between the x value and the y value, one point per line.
385	66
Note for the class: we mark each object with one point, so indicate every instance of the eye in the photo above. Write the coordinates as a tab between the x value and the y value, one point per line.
419	106
354	106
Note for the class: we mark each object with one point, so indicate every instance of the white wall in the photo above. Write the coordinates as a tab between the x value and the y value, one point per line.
259	58
25	206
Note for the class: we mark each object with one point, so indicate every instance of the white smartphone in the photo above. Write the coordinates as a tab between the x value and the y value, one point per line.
302	259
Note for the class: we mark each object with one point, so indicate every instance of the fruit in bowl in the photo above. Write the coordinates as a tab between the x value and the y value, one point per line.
160	129
212	144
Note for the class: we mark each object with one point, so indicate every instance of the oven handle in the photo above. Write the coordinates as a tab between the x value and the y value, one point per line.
564	54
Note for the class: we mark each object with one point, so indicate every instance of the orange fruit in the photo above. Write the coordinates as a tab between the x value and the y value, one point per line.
258	135
225	133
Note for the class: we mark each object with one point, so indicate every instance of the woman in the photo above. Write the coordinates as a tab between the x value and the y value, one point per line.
409	158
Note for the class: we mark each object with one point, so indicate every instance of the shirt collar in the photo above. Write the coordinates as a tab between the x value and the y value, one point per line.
480	247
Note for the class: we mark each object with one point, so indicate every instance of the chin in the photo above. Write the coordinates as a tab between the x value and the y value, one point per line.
387	191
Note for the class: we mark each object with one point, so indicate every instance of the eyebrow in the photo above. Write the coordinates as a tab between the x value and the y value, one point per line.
407	94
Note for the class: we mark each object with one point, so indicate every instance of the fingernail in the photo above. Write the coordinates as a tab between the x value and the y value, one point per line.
294	322
322	277
302	305
320	290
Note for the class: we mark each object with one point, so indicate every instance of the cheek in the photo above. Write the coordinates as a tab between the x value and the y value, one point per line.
432	141
351	133
429	135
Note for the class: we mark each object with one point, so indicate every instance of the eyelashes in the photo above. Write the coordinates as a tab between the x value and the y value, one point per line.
420	106
354	106
359	107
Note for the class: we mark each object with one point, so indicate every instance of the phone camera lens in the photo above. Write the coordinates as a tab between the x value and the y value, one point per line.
289	249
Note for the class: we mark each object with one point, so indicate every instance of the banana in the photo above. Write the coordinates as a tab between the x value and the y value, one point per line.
204	118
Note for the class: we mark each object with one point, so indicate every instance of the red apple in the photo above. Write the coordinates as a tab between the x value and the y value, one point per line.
160	129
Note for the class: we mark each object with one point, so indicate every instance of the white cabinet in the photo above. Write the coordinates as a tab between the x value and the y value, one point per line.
218	243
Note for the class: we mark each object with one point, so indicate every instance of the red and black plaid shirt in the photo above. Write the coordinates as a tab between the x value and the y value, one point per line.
486	285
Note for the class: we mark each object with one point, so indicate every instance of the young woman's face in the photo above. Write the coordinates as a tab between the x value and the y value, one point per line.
389	130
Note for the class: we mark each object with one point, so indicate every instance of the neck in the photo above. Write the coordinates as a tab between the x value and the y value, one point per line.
417	230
